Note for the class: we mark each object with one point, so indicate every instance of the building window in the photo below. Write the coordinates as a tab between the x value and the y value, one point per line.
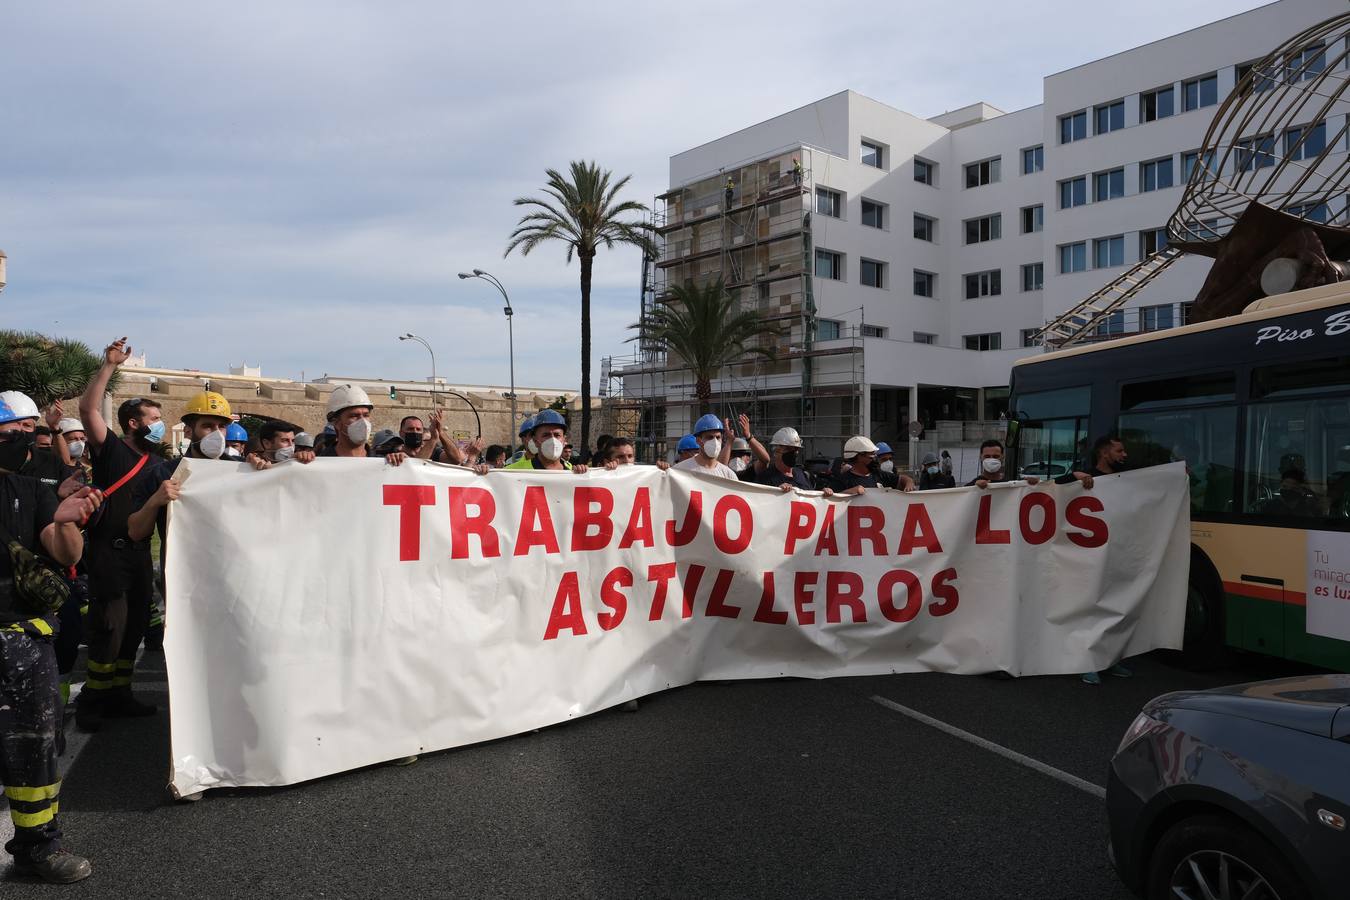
1033	160
925	172
1191	159
1305	141
1312	212
1186	311
983	172
1155	105
1151	241
1306	63
923	337
1033	276
925	283
1199	92
829	203
875	331
1261	81
1029	337
827	329
1256	152
829	265
873	213
991	341
1033	218
1155	175
1155	318
1204	230
925	229
1112	324
985	228
873	154
1073	192
1108	252
1109	116
872	273
1073	127
984	284
1108	185
1073	258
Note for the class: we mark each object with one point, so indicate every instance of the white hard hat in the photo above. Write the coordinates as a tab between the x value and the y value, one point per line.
345	396
66	426
858	444
21	405
786	437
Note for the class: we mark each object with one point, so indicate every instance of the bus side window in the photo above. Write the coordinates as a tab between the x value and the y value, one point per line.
1192	420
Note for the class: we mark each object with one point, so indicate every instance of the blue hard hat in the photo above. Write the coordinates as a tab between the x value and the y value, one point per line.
883	447
527	426
688	442
236	432
329	430
7	413
707	422
549	417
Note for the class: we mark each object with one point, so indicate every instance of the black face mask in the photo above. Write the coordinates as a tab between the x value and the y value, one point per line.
14	447
790	459
412	440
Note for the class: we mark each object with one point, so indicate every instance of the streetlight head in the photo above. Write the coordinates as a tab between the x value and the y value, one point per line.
465	275
479	272
507	311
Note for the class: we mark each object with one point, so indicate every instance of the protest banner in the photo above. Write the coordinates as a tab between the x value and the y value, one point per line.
339	614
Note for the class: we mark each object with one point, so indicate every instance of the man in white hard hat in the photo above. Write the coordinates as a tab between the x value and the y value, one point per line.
857	475
72	438
783	470
349	409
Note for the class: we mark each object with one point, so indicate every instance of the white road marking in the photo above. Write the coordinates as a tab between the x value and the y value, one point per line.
1020	758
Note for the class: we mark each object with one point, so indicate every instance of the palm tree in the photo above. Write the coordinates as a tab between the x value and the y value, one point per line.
46	369
705	327
582	213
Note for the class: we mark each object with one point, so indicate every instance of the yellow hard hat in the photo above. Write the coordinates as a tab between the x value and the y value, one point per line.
207	403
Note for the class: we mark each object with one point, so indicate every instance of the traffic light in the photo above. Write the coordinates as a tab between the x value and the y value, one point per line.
393	394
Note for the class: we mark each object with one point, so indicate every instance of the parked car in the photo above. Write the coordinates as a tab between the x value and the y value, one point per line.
1044	470
1242	791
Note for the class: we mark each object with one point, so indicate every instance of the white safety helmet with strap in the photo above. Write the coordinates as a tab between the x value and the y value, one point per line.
858	444
66	426
345	396
786	437
21	406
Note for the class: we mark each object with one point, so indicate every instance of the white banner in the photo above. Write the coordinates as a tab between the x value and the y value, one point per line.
334	615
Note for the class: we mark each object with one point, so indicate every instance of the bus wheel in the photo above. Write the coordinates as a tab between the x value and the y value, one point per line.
1203	644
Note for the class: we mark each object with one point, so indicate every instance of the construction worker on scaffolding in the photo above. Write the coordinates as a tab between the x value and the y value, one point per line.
731	191
797	172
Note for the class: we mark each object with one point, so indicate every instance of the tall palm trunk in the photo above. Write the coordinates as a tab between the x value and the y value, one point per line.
703	391
587	259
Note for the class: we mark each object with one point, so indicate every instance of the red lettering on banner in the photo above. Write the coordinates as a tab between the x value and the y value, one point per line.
536	523
639	530
462	524
717	605
660	574
746	522
690	584
409	498
826	543
766	613
865	523
801	522
945	591
913	595
803	595
611	596
984	534
1030	503
566	611
692	518
844	589
592	508
917	531
1076	514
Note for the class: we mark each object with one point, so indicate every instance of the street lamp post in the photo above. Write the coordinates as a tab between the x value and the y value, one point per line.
423	341
510	338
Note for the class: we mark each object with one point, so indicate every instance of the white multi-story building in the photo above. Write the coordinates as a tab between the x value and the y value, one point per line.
912	259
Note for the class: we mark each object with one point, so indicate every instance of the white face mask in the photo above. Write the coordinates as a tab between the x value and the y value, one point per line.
739	463
76	449
551	448
992	465
532	447
358	432
933	470
888	466
281	454
712	447
213	445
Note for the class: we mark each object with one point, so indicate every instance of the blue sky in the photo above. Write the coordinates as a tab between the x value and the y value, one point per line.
293	184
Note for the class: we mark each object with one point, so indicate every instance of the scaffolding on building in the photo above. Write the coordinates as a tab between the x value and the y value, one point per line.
748	224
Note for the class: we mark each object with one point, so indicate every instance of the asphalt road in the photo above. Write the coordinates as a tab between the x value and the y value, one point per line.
788	788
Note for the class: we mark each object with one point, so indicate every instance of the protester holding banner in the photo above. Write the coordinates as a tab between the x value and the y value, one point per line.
277	444
991	467
349	410
782	470
708	435
549	435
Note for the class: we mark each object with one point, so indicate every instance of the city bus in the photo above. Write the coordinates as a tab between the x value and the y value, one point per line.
1258	407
